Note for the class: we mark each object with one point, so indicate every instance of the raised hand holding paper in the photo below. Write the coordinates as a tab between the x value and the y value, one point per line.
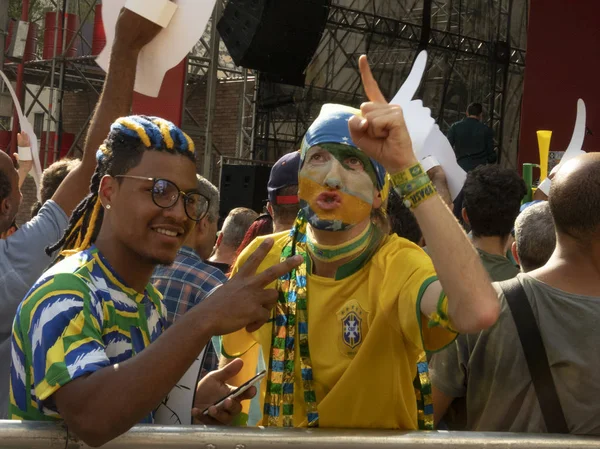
173	43
427	138
159	12
26	128
574	148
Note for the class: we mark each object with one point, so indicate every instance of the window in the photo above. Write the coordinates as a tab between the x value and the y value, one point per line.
38	124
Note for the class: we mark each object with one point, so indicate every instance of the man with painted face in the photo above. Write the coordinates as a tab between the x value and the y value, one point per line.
354	319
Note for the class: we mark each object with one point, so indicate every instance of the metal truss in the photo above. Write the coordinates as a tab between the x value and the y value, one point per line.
468	61
462	37
61	74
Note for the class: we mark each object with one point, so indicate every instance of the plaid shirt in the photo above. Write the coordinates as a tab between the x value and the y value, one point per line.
184	284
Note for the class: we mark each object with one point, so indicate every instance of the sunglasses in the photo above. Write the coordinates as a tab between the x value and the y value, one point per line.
165	194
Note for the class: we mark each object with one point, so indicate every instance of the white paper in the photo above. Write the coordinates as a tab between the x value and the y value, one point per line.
575	146
24	154
167	49
411	85
36	170
545	186
176	408
158	11
429	162
438	146
427	138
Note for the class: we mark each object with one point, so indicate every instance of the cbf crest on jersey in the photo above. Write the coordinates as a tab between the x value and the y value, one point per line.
352	327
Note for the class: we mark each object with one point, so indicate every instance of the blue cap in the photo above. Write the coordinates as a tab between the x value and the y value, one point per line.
284	174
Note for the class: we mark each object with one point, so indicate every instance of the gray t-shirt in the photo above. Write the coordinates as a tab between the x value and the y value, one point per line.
489	369
498	267
23	259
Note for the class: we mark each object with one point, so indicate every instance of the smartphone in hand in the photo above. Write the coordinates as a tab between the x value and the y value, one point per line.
238	391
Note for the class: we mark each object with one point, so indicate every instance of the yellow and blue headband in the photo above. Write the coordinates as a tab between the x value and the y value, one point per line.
152	132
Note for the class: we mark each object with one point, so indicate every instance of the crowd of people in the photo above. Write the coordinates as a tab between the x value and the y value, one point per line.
357	289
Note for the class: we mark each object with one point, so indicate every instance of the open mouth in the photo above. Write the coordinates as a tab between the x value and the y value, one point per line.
329	200
168	232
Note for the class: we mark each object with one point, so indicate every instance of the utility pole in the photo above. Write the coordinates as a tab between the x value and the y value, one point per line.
3	29
19	89
3	34
211	90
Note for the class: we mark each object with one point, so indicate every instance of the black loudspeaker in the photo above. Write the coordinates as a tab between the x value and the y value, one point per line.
276	37
243	186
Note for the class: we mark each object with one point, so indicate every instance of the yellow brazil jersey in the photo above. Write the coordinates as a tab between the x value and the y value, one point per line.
366	334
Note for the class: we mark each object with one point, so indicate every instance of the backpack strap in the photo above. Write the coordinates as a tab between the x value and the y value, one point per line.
535	355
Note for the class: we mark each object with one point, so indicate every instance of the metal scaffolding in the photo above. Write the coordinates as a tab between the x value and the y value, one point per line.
61	74
476	53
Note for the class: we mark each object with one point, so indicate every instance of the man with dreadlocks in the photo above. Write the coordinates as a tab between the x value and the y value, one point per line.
352	322
22	256
85	344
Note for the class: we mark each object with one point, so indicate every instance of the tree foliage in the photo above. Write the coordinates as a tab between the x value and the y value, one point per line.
36	9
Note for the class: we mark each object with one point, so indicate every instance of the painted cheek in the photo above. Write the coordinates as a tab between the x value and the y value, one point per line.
316	172
308	189
358	184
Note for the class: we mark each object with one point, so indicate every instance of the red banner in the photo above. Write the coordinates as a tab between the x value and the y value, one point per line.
562	65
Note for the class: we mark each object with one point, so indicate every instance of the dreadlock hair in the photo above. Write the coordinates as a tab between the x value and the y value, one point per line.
122	150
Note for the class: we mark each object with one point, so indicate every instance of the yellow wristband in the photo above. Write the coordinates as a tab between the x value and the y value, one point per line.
412	200
407	175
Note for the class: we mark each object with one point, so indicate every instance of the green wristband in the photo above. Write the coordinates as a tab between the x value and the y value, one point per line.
413	185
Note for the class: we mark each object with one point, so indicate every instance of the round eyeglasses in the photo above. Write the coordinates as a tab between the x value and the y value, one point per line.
165	194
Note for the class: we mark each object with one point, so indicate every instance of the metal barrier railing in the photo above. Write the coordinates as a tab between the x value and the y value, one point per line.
34	435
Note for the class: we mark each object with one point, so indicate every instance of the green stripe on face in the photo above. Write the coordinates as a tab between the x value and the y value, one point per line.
343	152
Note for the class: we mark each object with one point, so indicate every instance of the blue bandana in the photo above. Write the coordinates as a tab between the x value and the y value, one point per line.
331	126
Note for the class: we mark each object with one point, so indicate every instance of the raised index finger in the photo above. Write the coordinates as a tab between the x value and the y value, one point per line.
370	85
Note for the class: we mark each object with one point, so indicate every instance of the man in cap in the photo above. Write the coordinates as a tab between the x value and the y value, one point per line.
283	203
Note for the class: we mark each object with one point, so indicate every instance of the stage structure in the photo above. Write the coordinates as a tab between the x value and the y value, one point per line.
476	53
54	72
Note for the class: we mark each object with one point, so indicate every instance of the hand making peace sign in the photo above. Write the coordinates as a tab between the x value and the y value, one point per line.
381	132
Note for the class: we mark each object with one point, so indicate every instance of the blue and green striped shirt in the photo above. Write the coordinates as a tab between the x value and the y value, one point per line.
79	317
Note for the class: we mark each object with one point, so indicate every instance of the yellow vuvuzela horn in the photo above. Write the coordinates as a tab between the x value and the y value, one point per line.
544	147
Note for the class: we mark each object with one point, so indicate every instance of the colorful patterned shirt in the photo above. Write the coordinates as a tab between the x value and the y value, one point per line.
78	318
185	283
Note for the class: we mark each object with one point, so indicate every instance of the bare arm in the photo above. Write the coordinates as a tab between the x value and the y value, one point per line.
438	178
24	166
108	402
472	302
24	169
441	403
132	33
382	134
